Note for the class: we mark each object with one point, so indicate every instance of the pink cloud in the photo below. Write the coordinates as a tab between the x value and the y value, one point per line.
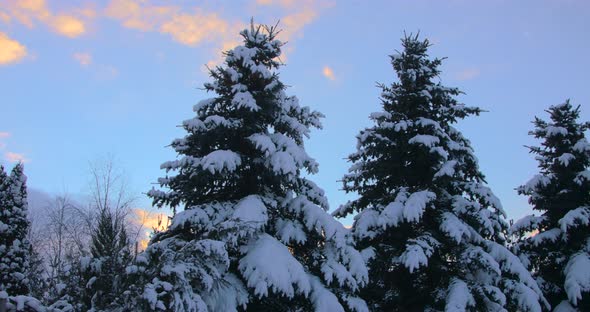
468	74
15	157
84	59
4	135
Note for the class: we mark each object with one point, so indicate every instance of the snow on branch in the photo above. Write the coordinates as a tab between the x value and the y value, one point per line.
574	218
577	276
459	298
268	264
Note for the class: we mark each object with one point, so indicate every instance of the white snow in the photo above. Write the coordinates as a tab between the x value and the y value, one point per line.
564	306
565	159
527	223
380	115
405	208
290	231
418	251
582	146
536	181
283	163
251	209
424	139
245	100
447	169
323	300
268	264
577	276
582	176
555	130
204	104
459	298
573	218
529	295
455	228
263	143
227	295
551	235
219	160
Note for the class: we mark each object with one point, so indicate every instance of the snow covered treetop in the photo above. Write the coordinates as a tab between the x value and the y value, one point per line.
250	133
416	72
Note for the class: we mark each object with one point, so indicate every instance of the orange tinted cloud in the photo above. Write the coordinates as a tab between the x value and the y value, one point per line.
15	157
295	22
284	3
192	29
328	73
148	221
297	15
28	12
68	26
186	28
5	18
11	51
139	15
84	59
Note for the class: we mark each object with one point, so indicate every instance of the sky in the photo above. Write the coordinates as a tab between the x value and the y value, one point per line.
84	80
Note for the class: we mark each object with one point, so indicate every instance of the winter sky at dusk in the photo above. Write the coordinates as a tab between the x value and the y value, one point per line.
83	79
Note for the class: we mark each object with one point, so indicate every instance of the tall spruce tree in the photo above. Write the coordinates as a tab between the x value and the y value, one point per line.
14	226
556	244
254	233
432	228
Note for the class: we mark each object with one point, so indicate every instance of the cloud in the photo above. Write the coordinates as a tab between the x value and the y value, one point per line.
11	51
15	157
468	74
186	28
193	29
3	135
29	12
137	16
296	16
148	221
283	3
5	18
294	23
329	73
83	58
68	26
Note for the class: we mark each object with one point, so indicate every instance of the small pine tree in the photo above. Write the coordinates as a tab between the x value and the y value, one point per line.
37	276
254	234
432	228
104	271
556	244
14	226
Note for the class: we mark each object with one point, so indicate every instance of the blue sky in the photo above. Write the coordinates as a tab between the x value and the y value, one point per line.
80	80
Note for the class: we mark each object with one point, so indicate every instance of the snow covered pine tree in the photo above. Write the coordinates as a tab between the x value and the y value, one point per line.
433	230
253	234
559	251
104	271
14	226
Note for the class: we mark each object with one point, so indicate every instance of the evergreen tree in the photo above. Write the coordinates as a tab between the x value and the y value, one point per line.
14	226
254	233
104	271
559	251
431	227
36	275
